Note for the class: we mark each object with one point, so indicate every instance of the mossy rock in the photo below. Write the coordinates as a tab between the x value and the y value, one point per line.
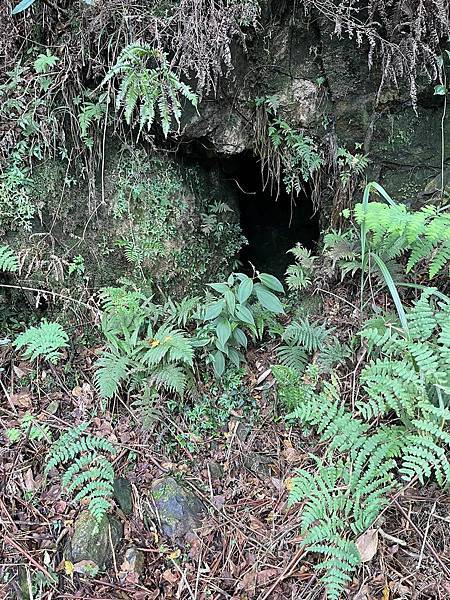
150	219
94	541
179	510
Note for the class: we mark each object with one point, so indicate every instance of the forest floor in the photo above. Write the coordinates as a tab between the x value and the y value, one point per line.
248	546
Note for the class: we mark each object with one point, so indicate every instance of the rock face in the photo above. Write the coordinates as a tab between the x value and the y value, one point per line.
153	220
323	84
91	541
180	512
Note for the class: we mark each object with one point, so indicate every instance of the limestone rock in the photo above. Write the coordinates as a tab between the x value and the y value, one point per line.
179	510
92	541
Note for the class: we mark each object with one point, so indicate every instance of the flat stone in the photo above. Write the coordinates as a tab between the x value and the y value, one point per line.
179	510
91	540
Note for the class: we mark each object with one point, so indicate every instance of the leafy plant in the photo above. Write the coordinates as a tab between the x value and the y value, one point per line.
407	379
139	347
30	428
146	405
286	153
338	500
150	88
298	153
392	230
300	338
8	260
44	62
88	469
232	314
298	275
91	113
350	165
44	341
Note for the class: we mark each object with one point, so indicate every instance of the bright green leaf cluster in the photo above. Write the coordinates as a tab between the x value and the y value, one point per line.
148	82
232	316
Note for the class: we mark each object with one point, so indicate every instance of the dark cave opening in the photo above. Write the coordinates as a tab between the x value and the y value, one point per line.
271	224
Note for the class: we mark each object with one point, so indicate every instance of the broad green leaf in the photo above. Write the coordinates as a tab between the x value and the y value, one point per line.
244	315
22	6
44	62
222	288
393	290
221	347
223	331
271	282
213	310
219	363
231	301
245	289
235	357
240	337
268	300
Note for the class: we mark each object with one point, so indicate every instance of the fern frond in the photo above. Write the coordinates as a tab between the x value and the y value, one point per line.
308	335
89	470
9	262
45	340
170	378
111	371
293	357
147	408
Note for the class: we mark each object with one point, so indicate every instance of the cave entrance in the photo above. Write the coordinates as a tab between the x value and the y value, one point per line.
271	225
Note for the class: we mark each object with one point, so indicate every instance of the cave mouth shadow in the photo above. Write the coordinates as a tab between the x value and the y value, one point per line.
272	225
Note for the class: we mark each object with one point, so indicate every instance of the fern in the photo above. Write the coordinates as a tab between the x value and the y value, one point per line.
171	343
31	428
146	407
410	364
308	335
44	341
8	260
140	350
293	357
395	230
111	371
89	470
338	498
149	89
298	276
332	354
182	312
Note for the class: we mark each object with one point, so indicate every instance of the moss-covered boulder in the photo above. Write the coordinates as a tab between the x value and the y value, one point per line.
94	542
180	512
147	218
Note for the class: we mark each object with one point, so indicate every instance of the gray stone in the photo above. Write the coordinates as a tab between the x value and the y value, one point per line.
133	563
123	495
258	464
180	512
216	470
94	541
